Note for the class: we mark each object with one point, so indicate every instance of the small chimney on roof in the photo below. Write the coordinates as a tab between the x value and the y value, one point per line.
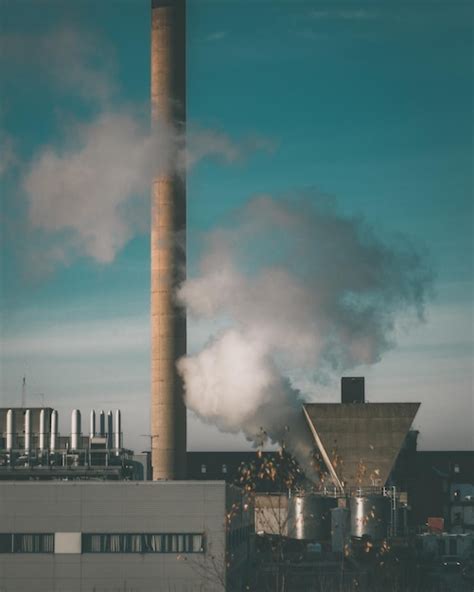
353	389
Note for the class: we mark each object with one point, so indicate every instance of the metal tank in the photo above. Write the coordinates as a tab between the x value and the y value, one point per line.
27	429
9	430
370	516
309	517
75	429
53	436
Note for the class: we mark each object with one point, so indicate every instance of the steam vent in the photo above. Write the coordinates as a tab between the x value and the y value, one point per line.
168	245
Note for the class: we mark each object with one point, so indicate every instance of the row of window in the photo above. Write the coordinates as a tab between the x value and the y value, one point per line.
106	543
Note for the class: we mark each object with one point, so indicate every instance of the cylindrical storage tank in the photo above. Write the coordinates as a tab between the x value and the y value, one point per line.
102	423
53	437
110	429
75	429
92	424
309	517
9	429
27	431
370	516
118	430
42	430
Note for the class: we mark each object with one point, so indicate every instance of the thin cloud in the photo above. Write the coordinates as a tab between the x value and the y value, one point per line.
343	14
217	36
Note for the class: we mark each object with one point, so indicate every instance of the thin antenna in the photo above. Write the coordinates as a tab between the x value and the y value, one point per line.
23	392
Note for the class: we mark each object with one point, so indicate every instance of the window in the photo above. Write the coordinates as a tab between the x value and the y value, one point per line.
26	543
453	546
142	543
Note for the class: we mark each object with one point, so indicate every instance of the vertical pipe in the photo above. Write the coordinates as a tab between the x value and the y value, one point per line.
9	430
92	424
168	243
53	437
102	423
27	431
110	429
118	431
75	429
42	430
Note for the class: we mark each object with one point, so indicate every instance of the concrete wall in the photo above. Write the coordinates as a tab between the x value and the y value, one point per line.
105	507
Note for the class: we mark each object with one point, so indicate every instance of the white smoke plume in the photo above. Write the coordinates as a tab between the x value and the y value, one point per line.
300	289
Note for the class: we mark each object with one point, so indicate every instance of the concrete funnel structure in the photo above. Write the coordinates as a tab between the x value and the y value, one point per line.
168	244
359	443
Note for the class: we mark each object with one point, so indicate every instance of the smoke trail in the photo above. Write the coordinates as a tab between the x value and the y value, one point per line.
300	288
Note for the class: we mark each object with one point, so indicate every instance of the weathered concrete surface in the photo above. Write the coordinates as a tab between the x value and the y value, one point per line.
362	441
168	246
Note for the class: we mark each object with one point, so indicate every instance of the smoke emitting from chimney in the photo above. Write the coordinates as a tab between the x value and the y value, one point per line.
301	291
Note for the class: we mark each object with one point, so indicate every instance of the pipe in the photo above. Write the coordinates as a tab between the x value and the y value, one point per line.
118	431
102	423
110	429
42	430
53	437
9	430
27	431
92	424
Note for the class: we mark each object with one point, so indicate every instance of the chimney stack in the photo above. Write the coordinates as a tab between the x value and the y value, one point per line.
168	244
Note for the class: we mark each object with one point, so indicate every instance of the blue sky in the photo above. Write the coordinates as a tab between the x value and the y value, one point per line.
368	102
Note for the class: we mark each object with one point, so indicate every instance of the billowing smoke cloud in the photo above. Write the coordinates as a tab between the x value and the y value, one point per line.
87	193
93	192
301	290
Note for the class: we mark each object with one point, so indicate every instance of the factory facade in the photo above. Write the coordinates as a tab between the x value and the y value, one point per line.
89	536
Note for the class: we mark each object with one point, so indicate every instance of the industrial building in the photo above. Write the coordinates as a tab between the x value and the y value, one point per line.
81	512
90	536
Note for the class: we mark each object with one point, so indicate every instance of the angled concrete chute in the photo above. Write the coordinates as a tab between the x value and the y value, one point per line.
360	443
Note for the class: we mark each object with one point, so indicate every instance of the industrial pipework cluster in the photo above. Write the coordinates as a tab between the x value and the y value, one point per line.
31	438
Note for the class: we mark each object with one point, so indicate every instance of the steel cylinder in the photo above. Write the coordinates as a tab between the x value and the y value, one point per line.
27	429
53	436
309	517
42	430
92	424
101	423
370	516
9	429
110	429
75	429
118	430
